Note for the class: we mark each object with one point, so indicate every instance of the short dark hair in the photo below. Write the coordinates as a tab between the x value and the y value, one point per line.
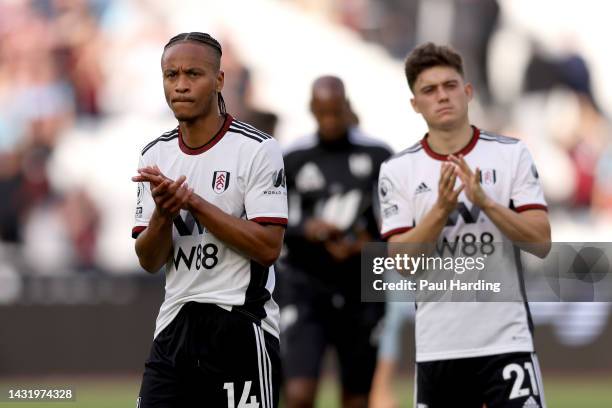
430	55
204	39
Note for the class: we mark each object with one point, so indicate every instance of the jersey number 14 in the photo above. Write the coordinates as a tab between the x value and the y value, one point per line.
252	403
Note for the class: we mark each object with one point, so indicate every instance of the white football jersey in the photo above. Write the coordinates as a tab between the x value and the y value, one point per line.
408	189
240	170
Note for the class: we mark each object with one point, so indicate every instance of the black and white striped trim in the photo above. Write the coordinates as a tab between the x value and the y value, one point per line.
252	128
491	137
173	134
412	149
265	369
303	143
248	131
538	377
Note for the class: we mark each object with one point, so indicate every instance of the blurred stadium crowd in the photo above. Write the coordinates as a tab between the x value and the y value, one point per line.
76	66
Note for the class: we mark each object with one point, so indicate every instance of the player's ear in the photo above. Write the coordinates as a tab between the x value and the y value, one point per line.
348	109
220	80
414	105
347	105
469	91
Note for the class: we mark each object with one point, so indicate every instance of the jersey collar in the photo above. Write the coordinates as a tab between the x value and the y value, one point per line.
208	145
463	151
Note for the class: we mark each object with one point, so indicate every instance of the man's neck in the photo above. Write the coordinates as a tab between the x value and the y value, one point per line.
443	141
200	131
338	143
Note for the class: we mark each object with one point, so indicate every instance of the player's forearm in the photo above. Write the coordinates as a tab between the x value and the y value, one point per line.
256	241
421	239
427	231
529	227
154	244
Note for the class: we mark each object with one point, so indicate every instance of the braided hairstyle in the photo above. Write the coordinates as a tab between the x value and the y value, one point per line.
205	39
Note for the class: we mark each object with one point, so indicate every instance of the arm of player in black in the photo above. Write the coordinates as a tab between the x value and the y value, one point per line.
262	243
154	244
530	229
307	227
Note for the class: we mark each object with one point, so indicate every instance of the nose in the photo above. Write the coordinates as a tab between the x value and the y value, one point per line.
181	85
442	95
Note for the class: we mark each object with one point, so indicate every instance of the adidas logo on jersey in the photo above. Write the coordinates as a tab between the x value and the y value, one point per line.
531	403
422	188
309	178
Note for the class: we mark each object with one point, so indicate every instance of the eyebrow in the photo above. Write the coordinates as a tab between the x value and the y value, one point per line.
187	69
425	87
447	82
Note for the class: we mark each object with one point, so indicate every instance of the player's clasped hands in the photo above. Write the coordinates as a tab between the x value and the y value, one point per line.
447	193
318	230
471	181
170	196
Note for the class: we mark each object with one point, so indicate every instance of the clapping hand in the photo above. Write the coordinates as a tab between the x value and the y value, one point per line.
471	180
447	193
170	196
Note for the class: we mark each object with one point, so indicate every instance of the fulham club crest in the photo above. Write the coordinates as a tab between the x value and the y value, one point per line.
220	181
488	176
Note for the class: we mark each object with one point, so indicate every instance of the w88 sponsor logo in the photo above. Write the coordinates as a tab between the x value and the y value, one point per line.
200	256
467	244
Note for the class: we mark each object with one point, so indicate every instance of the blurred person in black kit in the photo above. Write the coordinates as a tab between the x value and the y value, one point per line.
331	176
